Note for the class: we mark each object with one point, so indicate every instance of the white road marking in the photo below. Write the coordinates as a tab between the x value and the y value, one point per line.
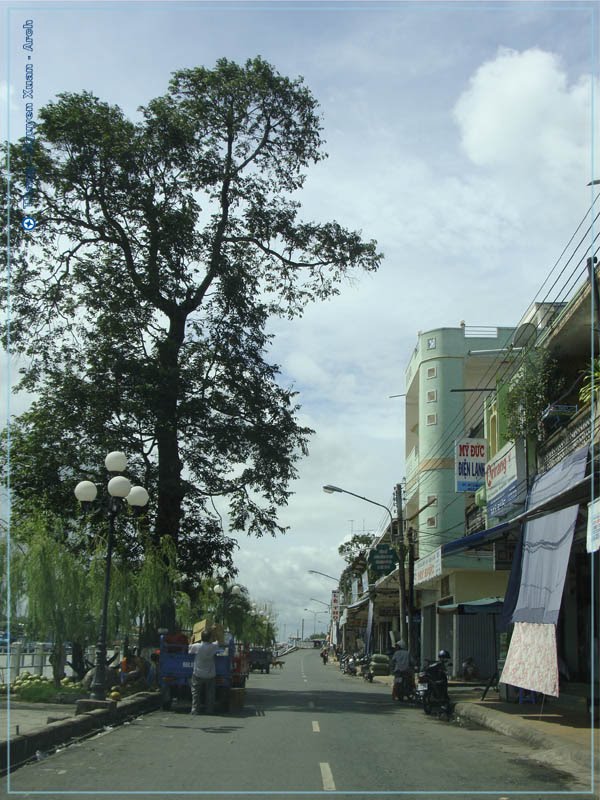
327	777
316	728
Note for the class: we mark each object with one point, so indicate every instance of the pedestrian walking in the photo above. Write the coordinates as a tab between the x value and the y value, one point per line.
204	675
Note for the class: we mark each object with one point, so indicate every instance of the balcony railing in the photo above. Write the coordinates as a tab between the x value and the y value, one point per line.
575	434
474	520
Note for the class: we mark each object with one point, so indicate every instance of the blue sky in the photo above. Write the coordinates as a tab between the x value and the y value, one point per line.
459	136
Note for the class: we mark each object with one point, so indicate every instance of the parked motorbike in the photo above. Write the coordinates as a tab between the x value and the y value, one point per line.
403	687
365	668
432	686
351	667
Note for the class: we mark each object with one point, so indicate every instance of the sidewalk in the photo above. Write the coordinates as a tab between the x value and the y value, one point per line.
23	718
559	727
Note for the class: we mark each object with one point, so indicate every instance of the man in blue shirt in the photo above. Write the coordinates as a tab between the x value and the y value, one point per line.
204	675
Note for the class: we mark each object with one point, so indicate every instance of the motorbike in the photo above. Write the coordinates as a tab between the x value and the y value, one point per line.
403	687
350	667
365	668
432	686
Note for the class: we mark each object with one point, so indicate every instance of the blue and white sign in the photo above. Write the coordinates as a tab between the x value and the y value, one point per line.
503	487
469	464
593	527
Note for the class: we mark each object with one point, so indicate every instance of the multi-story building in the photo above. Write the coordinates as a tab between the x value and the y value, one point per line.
450	373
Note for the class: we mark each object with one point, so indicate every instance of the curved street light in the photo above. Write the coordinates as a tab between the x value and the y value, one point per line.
329	489
119	489
324	574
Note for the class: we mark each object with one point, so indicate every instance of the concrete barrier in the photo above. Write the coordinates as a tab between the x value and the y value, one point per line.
19	749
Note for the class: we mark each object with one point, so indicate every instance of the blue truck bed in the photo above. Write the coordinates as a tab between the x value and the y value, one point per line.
175	668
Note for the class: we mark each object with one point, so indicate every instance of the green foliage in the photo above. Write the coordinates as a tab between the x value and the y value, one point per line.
163	247
156	579
56	585
529	393
591	383
356	546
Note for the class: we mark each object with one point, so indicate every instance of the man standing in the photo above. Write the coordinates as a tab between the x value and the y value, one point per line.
204	674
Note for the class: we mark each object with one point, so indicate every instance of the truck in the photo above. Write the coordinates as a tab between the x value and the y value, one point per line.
260	659
175	667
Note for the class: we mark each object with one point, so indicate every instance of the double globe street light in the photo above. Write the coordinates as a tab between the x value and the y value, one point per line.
119	490
225	593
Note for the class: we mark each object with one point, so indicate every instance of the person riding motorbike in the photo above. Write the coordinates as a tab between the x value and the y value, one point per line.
402	665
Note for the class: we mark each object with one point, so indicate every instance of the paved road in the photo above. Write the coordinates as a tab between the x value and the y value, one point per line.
305	729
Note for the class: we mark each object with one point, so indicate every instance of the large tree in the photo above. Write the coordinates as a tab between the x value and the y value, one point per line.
140	303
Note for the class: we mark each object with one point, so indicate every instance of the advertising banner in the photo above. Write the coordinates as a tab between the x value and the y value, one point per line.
382	559
428	567
469	464
504	488
593	527
335	605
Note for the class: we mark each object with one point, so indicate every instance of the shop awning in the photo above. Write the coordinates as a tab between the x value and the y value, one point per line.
363	601
485	605
480	538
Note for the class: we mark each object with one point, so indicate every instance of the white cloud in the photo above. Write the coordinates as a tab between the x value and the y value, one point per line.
520	113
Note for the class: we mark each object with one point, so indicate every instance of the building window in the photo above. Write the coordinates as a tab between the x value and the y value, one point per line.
431	372
431	343
432	522
432	419
432	396
432	499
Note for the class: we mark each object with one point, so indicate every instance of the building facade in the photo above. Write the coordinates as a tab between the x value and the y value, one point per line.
449	375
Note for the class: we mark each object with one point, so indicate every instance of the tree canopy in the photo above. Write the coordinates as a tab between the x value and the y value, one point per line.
140	303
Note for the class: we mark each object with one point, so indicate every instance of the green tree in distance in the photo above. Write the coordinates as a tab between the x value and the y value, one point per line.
140	304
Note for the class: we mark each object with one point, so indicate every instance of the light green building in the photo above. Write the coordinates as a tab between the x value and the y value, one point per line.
448	377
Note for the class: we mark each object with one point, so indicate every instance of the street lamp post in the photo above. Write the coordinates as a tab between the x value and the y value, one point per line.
226	593
397	540
314	613
119	489
324	574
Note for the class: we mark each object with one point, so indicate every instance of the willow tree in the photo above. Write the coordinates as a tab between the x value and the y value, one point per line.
164	245
57	586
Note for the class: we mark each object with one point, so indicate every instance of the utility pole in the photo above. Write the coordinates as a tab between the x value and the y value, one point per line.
411	591
401	549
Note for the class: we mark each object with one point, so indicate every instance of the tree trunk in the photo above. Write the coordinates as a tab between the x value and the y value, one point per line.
170	492
58	659
78	662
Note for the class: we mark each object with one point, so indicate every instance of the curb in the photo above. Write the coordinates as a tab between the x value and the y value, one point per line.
22	748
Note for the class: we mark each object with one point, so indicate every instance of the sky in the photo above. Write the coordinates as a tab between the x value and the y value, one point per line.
459	137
